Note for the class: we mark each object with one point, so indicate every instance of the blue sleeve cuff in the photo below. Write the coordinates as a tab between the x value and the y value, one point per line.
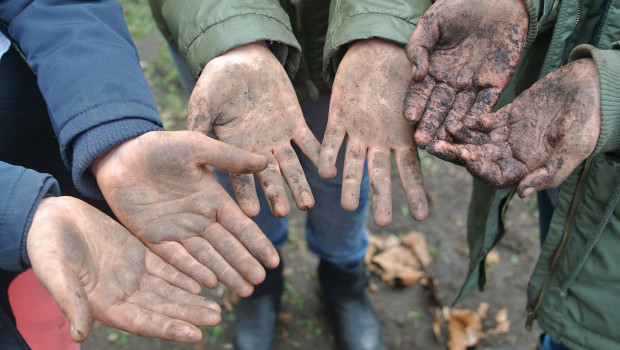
98	140
49	188
21	191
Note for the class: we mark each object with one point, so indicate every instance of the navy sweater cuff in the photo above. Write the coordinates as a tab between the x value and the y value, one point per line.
98	140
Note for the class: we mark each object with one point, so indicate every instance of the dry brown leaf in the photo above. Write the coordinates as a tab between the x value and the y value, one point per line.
417	243
492	258
465	329
376	240
462	250
431	286
390	242
229	301
372	287
383	242
375	270
503	325
431	199
399	262
285	318
438	325
482	310
370	252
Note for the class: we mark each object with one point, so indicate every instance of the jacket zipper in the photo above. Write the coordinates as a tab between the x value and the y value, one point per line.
531	313
578	12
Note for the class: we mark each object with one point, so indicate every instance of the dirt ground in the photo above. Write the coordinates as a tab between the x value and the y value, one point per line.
406	313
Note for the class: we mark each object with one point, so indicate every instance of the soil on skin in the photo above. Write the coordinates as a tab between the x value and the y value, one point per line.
406	313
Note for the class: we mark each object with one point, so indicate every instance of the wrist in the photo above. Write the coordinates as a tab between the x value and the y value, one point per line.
108	162
245	51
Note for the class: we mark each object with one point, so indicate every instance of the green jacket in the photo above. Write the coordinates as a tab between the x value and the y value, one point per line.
203	29
574	291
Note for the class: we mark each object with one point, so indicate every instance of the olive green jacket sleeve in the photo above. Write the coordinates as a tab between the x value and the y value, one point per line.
203	29
608	66
351	20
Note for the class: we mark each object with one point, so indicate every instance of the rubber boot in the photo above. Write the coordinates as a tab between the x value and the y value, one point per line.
257	315
355	320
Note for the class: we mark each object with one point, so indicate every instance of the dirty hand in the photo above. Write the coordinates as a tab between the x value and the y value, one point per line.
463	53
366	106
539	139
94	268
246	99
160	188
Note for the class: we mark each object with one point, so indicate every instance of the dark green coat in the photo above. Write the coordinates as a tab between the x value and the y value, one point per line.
203	29
574	291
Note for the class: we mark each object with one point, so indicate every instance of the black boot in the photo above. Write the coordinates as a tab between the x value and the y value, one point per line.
257	315
355	320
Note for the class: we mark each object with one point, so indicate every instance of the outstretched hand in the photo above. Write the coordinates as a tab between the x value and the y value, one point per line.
366	104
463	53
246	99
94	268
160	188
539	139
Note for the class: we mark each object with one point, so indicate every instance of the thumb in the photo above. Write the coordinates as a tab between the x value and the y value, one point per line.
208	151
66	289
420	46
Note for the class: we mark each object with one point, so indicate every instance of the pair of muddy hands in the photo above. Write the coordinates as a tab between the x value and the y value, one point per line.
245	98
463	55
180	230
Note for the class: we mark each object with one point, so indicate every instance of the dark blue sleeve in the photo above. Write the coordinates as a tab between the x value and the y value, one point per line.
89	73
21	190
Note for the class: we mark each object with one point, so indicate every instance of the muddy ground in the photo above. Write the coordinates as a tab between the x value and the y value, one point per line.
406	313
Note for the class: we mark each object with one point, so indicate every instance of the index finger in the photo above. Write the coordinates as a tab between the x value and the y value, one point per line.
420	46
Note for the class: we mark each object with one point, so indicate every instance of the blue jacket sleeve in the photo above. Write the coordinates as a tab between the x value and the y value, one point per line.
21	190
89	73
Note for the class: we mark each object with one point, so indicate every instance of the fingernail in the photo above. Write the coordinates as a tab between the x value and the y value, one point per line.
307	200
527	191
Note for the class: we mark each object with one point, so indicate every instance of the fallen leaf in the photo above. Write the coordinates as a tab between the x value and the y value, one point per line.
285	318
390	242
383	242
431	286
462	250
399	263
431	199
417	243
376	241
465	329
482	310
503	325
370	252
229	301
372	287
492	258
438	325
